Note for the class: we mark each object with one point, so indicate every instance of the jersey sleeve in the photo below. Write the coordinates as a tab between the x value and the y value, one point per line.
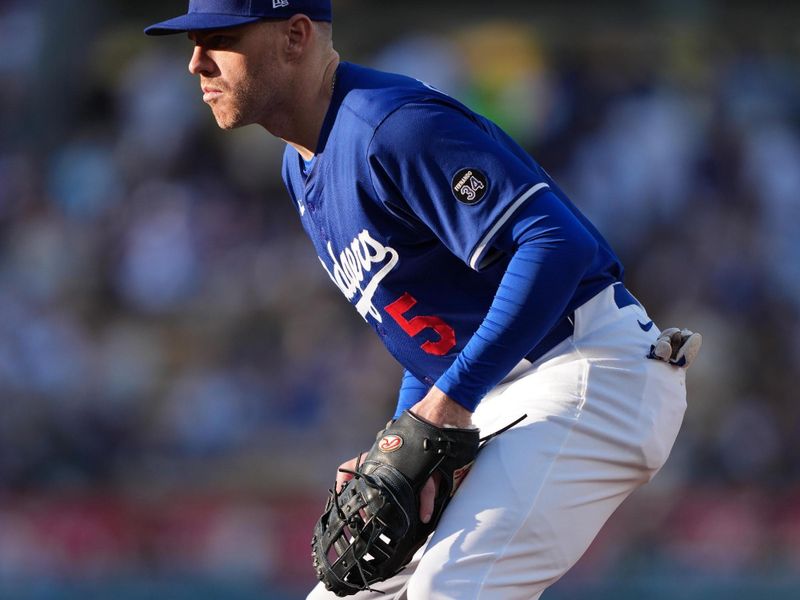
551	252
455	173
412	390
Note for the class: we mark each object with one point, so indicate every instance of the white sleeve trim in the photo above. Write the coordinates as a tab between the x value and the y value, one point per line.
480	250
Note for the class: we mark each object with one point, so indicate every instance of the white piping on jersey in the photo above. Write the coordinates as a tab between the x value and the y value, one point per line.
481	248
353	263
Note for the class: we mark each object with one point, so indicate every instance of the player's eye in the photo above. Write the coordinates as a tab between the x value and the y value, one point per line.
215	42
220	42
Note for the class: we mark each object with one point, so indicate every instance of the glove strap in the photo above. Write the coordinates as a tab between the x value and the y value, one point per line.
485	440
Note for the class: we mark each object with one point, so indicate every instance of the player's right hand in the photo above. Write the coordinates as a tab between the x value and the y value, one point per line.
677	347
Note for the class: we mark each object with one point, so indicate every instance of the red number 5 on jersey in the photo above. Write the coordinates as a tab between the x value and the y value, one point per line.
416	325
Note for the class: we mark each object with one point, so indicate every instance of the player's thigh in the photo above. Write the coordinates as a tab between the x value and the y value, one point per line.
496	532
539	494
481	527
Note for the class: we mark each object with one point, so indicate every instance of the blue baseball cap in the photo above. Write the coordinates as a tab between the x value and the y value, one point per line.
220	14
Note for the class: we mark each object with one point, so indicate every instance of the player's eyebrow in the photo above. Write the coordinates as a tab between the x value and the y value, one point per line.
198	37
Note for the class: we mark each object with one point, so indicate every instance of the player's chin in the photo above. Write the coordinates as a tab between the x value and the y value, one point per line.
227	126
228	122
227	119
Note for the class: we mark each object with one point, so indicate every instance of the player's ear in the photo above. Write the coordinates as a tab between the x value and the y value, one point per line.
299	31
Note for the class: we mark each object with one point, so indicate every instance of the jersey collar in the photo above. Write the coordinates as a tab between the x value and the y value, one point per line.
340	91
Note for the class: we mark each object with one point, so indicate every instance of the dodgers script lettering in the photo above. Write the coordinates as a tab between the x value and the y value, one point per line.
353	267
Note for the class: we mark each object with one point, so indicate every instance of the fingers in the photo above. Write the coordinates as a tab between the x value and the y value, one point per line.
677	347
426	498
689	349
662	349
341	477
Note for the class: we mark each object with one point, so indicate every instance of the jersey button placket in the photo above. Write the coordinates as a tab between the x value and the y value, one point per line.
312	207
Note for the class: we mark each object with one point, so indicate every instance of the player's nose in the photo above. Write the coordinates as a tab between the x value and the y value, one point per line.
200	62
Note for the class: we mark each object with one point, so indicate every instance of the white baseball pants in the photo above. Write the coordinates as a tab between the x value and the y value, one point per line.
601	422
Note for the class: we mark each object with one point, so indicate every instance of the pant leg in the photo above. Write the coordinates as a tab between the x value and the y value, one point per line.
601	422
390	589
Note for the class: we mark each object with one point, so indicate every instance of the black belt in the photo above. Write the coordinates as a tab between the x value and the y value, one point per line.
566	325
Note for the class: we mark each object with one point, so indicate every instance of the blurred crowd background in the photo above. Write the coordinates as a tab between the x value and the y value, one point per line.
179	379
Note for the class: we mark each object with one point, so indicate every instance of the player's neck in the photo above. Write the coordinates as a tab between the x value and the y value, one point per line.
306	117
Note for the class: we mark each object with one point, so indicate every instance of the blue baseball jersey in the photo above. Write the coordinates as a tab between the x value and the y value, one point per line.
404	201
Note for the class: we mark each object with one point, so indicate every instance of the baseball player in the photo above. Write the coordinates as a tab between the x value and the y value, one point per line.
492	290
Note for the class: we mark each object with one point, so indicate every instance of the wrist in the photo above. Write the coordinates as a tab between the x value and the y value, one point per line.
441	410
452	383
